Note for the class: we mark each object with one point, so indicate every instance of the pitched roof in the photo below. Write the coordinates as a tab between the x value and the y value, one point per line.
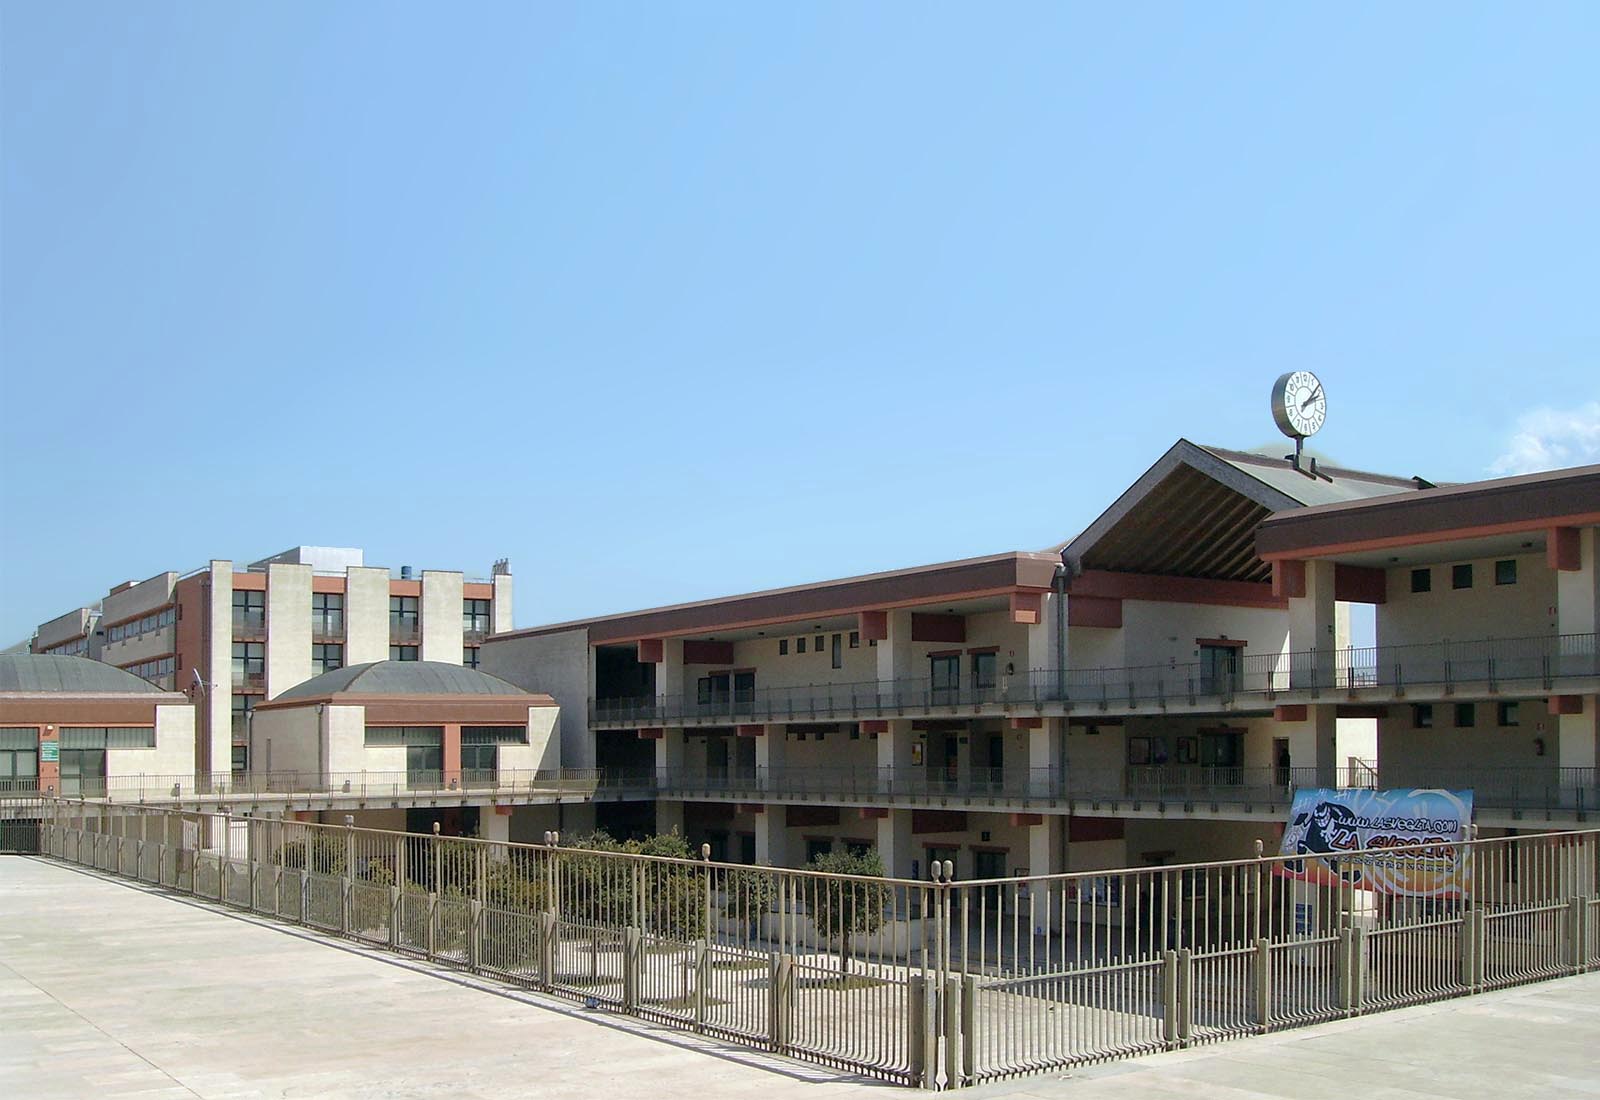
48	672
402	678
1194	513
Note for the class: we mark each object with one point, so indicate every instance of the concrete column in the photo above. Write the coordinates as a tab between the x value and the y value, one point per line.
1313	623
500	618
1046	746
769	752
669	671
494	825
1046	856
669	817
288	627
1313	743
1578	612
669	754
894	843
772	837
894	652
441	616
366	615
895	771
215	757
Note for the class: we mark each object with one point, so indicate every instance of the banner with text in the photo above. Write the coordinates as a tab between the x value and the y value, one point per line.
1326	824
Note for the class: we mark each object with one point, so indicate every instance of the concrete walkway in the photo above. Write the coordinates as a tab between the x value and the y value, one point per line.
109	990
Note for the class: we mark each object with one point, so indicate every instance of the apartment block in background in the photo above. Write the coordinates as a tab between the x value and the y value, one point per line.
231	637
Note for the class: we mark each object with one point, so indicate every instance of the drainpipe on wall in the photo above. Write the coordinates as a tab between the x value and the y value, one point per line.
1059	584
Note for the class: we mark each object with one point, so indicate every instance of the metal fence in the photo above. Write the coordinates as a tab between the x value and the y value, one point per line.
936	984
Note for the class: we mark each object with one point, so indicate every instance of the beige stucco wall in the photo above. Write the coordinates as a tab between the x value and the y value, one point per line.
173	754
557	665
219	693
441	616
1486	610
144	596
285	741
366	615
288	627
500	607
344	747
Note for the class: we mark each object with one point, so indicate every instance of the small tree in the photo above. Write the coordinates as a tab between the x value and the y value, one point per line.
843	907
749	893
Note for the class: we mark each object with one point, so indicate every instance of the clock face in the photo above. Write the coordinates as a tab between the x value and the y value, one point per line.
1299	404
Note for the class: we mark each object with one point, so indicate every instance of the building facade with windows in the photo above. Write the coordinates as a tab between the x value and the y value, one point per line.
231	638
1152	691
75	727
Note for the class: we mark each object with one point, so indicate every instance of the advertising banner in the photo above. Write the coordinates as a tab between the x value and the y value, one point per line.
1326	824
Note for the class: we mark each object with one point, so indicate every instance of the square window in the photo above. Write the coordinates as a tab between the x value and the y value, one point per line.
1466	716
1505	572
1422	716
1509	715
1461	576
783	647
1422	580
799	645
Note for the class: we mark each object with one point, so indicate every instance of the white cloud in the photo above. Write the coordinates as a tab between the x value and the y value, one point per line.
1549	439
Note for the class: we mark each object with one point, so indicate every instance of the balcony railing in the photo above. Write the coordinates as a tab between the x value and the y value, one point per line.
1496	663
249	623
327	627
251	680
159	788
405	631
1569	790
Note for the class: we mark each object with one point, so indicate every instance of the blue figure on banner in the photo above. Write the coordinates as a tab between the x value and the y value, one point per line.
1326	829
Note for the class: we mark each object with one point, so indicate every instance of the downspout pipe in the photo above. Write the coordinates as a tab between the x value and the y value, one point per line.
1063	577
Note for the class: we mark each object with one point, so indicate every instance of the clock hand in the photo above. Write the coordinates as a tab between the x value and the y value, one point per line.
1307	402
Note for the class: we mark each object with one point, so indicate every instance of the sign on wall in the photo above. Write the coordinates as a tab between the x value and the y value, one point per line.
1324	824
49	752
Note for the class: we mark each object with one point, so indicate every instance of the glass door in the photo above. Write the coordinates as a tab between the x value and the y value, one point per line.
83	773
945	678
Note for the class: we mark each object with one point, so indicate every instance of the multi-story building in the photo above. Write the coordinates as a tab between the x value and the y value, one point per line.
231	638
1153	690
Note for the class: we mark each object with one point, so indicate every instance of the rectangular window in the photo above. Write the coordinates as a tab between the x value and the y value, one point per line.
405	623
241	759
1422	580
394	736
1466	716
712	691
249	610
475	617
984	666
1461	576
1505	572
477	762
783	647
819	643
249	663
799	645
327	614
1422	716
402	653
108	737
817	847
1219	669
838	651
327	656
944	673
469	656
1509	714
243	705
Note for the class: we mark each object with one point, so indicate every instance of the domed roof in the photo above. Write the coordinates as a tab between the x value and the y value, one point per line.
50	672
402	678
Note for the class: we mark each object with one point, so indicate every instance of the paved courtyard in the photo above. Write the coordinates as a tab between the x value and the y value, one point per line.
111	990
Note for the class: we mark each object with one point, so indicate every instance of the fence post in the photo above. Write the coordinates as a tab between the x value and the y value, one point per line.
917	1032
1471	963
1169	998
1577	934
305	878
969	1028
780	999
474	934
1185	995
953	1040
222	856
702	979
1342	969
1263	985
632	957
1358	969
547	947
347	881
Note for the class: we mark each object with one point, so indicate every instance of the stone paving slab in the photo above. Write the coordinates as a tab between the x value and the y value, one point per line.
110	990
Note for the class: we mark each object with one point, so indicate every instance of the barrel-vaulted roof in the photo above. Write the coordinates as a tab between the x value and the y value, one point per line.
402	678
36	673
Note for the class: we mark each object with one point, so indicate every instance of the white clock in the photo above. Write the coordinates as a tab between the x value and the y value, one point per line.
1299	404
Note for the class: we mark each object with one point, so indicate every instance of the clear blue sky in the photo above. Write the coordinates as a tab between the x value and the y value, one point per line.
664	301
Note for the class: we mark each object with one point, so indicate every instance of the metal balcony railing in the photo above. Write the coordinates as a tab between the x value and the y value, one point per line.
1573	790
250	679
1535	664
249	623
405	631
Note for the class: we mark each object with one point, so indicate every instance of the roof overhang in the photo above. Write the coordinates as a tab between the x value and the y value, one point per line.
1000	574
1484	509
424	709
